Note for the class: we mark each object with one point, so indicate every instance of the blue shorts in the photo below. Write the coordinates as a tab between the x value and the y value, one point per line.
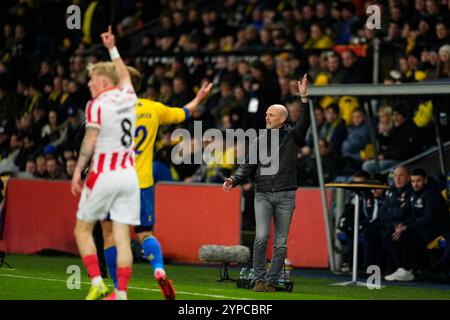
147	207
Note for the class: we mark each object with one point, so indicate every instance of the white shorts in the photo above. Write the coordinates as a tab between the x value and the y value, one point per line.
116	193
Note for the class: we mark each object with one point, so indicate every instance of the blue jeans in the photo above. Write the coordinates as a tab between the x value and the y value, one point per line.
279	205
371	167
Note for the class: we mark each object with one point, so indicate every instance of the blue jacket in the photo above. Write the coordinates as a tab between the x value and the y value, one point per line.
357	139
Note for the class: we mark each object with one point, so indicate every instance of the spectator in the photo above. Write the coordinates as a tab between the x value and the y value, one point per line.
319	114
265	38
385	122
286	96
28	151
432	10
54	132
336	131
301	36
73	127
52	168
78	70
221	103
70	168
347	22
442	34
165	93
281	42
402	142
443	64
33	97
30	167
8	111
231	75
293	111
15	147
181	93
314	66
358	136
7	168
307	15
270	62
354	68
41	168
4	142
318	40
233	14
307	168
241	102
158	75
322	15
179	22
427	218
333	73
264	91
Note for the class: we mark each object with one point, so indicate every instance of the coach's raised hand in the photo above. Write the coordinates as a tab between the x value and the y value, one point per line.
303	88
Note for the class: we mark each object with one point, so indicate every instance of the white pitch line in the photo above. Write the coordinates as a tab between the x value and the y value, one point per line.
134	288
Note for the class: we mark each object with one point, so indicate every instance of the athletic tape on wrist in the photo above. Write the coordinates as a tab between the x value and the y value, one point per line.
114	53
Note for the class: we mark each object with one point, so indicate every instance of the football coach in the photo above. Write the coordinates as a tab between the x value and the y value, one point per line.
274	192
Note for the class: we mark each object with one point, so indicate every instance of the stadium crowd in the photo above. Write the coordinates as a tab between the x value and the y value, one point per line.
43	73
43	76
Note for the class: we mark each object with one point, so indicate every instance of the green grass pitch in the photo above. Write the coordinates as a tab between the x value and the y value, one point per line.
45	277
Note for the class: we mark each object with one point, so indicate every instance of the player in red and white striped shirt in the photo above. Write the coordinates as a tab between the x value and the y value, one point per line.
112	185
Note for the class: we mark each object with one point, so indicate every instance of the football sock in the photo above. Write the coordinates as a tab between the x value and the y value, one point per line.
111	262
93	268
153	252
123	276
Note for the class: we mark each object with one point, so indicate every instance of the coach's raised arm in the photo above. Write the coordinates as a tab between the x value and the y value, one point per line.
294	137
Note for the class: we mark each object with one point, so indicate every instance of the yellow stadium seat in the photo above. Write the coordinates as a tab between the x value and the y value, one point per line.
424	114
347	104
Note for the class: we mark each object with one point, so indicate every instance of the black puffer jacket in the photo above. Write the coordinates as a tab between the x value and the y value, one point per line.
403	141
291	138
393	209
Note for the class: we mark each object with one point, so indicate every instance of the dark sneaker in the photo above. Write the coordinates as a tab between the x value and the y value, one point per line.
260	286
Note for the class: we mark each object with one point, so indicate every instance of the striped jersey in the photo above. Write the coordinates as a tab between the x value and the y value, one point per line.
114	113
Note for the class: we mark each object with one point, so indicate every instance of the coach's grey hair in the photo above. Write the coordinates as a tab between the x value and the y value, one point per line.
282	108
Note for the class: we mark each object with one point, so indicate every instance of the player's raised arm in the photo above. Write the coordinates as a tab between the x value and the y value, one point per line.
204	91
109	41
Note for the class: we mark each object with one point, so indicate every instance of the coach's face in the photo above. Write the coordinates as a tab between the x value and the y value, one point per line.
276	115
